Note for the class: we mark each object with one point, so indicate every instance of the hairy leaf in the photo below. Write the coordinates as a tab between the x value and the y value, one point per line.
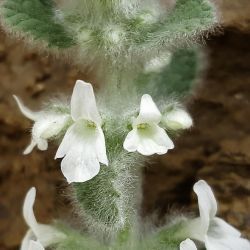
36	19
187	20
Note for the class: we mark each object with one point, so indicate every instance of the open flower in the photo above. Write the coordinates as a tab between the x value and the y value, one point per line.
187	245
46	125
35	245
147	137
177	119
83	146
213	231
43	235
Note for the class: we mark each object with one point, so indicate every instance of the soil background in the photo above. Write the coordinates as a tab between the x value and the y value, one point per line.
217	149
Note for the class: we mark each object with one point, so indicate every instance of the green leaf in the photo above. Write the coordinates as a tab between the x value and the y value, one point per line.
36	19
188	19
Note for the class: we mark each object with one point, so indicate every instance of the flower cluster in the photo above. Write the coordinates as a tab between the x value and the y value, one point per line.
83	147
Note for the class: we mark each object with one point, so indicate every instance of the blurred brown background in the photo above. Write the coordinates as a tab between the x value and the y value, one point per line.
217	149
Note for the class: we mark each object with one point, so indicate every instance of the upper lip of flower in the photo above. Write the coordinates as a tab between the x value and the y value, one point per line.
83	103
149	113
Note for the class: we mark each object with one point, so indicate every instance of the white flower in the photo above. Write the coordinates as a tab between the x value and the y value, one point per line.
187	245
177	119
213	231
83	146
35	245
147	137
44	234
46	126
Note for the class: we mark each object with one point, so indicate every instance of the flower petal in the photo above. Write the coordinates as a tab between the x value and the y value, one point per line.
153	140
26	240
35	245
38	128
52	124
207	203
149	113
83	103
78	134
100	147
28	212
42	144
70	139
48	235
221	229
131	141
30	147
177	119
148	141
148	147
194	229
221	235
161	138
228	243
187	245
80	164
25	111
